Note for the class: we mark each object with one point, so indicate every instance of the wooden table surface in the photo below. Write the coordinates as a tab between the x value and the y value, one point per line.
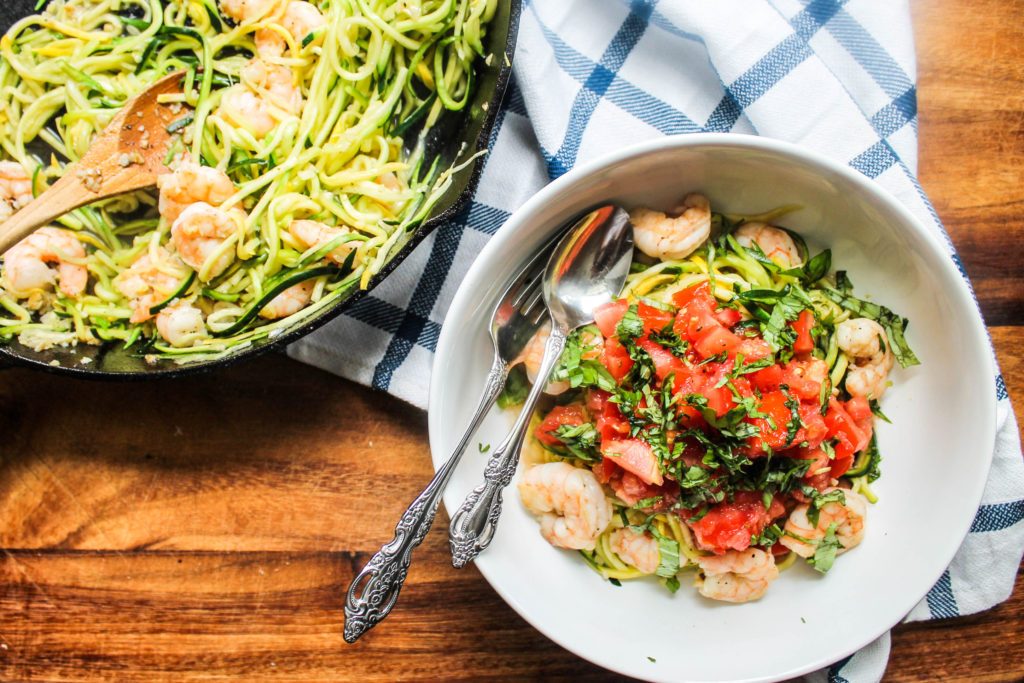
208	527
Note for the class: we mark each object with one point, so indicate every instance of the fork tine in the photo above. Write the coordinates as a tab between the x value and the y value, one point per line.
527	308
528	291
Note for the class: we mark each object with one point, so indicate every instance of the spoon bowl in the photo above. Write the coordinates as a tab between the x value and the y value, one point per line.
587	268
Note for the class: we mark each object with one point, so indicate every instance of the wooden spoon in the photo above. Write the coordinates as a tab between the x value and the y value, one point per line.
128	155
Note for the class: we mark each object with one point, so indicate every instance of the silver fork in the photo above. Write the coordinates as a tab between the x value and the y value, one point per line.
516	318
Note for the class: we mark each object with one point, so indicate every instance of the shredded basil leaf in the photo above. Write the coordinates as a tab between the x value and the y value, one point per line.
580	440
825	554
668	552
820	500
631	326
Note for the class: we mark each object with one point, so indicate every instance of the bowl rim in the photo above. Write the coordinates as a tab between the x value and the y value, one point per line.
459	311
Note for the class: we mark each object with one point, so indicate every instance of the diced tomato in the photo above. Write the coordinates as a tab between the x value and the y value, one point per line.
804	341
815	429
824	468
636	456
607	316
664	361
720	398
605	470
819	474
727	316
767	379
700	313
611	424
654	319
616	358
596	398
696	312
773	404
631	489
729	526
754	348
841	465
858	408
699	293
715	340
841	426
800	376
572	414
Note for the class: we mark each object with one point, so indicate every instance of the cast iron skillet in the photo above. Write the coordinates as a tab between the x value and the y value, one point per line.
456	137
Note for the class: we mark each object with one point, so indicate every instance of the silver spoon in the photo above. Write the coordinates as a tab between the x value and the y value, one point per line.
588	268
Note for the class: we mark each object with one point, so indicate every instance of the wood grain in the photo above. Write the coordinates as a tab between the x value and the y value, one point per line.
206	528
971	111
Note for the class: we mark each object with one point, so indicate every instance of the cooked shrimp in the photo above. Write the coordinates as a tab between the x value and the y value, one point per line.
189	184
664	237
199	233
291	300
149	281
814	369
25	265
639	550
243	108
736	576
864	342
15	188
775	243
571	505
240	10
276	82
181	324
266	96
848	516
533	353
300	19
316	234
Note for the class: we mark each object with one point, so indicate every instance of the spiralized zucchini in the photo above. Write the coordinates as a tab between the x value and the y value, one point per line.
374	71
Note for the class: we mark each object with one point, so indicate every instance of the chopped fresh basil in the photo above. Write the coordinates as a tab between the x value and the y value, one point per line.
631	326
578	370
825	554
820	500
768	537
580	440
671	342
646	503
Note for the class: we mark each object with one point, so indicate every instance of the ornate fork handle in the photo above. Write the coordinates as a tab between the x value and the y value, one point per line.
384	574
473	526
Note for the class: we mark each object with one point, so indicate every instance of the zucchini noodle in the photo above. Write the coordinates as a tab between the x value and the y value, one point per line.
324	144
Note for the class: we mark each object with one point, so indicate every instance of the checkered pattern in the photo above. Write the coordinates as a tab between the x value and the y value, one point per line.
595	75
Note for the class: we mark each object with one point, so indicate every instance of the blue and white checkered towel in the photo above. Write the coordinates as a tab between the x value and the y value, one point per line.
596	75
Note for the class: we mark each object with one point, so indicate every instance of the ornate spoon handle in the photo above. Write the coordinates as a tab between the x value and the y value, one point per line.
382	577
473	526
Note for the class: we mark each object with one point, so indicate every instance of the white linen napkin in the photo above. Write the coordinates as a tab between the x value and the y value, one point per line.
592	76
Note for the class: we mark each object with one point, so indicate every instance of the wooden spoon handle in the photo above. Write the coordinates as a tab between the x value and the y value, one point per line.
63	196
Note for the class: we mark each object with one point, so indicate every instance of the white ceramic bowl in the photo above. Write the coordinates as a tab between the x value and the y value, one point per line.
936	451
